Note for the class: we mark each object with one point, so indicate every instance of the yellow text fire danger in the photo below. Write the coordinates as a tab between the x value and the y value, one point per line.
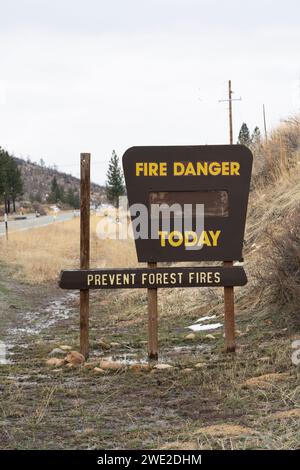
225	168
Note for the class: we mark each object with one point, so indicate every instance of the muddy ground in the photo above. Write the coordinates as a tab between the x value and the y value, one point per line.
204	401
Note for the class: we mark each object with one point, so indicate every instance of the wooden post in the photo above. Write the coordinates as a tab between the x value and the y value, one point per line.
228	291
229	315
6	225
84	248
152	321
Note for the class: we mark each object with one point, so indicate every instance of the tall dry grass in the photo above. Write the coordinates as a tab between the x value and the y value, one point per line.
278	157
273	228
40	253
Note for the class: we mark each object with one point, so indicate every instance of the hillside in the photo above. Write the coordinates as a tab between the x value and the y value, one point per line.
37	182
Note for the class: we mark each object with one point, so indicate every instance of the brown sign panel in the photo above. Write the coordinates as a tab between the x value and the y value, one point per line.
152	278
217	176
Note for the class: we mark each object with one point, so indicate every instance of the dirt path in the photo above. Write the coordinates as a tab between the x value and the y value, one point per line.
27	311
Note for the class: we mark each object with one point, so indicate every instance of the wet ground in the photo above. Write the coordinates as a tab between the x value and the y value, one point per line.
43	407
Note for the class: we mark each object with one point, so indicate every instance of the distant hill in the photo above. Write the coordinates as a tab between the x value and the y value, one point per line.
37	180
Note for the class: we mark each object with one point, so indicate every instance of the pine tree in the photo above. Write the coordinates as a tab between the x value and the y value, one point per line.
256	137
115	181
57	192
72	198
15	181
244	135
11	184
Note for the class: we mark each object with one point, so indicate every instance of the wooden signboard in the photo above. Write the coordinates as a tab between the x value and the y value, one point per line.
152	278
214	178
217	176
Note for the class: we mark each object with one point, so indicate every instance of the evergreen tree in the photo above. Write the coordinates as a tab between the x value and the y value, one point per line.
57	192
15	181
244	135
11	184
115	181
256	137
76	204
72	198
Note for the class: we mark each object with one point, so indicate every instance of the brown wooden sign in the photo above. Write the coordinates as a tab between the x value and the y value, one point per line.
152	278
216	176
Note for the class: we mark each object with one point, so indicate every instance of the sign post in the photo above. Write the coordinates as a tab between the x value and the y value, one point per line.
229	321
152	321
84	248
6	225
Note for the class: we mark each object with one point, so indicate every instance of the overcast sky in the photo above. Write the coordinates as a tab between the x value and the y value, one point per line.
97	75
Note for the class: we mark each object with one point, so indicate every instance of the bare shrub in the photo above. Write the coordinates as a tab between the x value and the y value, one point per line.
281	267
279	155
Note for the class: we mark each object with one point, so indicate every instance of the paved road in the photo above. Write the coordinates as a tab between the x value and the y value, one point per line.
32	222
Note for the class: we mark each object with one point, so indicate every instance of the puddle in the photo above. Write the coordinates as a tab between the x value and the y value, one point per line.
178	352
34	322
126	359
3	354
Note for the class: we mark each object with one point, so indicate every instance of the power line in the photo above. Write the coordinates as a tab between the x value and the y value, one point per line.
97	162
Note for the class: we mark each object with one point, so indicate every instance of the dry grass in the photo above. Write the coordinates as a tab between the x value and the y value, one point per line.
278	156
42	252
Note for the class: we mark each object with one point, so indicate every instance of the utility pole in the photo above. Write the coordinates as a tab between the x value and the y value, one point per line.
228	291
265	124
230	113
230	100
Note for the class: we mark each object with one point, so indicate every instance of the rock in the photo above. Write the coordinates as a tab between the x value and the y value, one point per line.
163	366
114	344
190	336
99	370
75	358
187	370
55	361
90	365
57	352
199	365
209	336
110	365
139	367
71	366
64	347
103	344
